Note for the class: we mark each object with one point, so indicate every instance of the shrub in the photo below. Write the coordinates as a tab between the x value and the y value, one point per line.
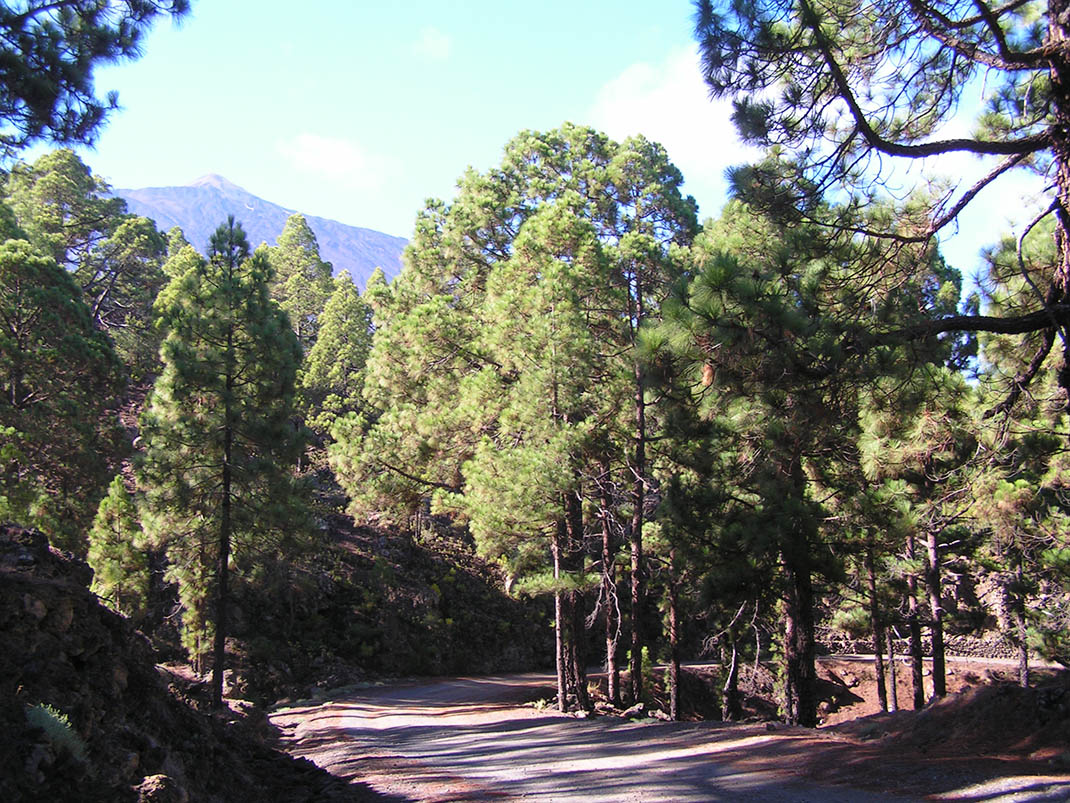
57	729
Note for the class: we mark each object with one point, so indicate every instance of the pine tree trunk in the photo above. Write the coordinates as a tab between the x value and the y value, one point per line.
877	629
576	620
609	595
559	636
674	641
730	708
201	645
932	586
800	672
914	631
800	696
893	680
223	567
636	542
1020	626
1058	36
638	500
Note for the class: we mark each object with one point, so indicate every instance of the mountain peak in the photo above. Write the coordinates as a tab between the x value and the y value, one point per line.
216	181
199	207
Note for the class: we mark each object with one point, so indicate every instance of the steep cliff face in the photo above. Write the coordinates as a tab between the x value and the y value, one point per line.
86	715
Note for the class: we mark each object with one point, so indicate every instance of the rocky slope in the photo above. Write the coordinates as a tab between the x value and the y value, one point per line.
371	602
85	714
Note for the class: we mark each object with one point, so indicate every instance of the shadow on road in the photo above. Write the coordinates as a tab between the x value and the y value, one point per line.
468	739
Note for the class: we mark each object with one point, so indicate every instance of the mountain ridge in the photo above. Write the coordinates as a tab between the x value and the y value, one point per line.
200	206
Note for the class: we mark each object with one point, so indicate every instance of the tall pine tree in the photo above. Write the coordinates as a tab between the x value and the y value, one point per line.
218	429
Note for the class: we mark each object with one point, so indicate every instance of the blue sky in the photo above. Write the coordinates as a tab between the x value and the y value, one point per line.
359	111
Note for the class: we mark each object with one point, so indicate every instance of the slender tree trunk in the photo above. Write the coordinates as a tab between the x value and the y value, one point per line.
222	582
559	636
609	594
800	672
636	541
674	641
638	501
877	629
893	680
1020	625
577	629
201	645
1058	36
932	585
559	652
730	709
914	631
223	568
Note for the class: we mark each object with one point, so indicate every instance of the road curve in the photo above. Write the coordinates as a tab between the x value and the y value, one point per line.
473	739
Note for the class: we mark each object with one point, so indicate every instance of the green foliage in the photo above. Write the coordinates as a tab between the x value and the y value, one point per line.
117	552
332	378
58	376
50	51
115	257
521	286
65	210
57	728
302	282
218	429
839	86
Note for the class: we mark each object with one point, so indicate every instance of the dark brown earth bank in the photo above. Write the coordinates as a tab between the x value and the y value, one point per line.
86	715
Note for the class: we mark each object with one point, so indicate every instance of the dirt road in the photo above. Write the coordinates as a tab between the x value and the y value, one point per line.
474	739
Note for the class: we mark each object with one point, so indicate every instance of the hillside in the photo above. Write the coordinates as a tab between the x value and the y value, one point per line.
86	715
373	602
198	208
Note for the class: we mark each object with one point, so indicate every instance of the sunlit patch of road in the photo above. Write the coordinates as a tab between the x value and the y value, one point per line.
472	739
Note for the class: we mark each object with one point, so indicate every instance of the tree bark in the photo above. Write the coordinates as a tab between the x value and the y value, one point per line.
638	492
877	629
559	636
914	630
1020	625
577	629
609	594
893	680
1059	131
674	641
730	708
223	566
800	673
800	695
936	608
636	540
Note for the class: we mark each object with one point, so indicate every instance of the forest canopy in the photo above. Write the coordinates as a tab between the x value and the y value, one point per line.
744	438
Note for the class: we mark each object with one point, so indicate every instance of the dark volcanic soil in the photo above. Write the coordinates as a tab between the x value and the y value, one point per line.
85	715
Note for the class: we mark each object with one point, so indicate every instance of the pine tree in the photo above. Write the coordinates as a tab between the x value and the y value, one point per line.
427	373
772	320
302	282
524	484
332	377
58	377
918	441
50	50
1019	502
117	552
218	429
65	209
114	257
